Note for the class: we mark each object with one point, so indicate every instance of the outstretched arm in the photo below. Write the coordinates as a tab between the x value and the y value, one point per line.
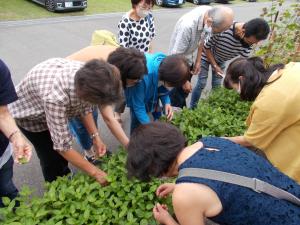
21	148
114	126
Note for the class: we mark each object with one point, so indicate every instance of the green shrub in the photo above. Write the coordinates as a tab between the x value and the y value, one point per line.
81	200
283	45
221	114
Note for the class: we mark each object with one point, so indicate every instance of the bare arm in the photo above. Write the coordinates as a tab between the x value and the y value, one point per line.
151	47
213	62
77	160
114	126
9	128
241	140
90	125
197	66
194	202
92	52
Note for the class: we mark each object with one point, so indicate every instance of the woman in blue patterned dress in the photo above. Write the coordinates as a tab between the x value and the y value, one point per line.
159	149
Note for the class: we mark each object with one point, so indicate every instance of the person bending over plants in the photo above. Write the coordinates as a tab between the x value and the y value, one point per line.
143	96
52	93
159	149
146	78
274	118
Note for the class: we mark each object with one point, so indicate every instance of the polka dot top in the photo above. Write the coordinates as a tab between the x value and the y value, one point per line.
136	34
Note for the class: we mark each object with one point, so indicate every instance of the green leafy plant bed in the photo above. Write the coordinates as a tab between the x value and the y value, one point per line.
81	200
221	114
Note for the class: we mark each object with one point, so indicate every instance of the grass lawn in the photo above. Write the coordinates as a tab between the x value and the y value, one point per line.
26	9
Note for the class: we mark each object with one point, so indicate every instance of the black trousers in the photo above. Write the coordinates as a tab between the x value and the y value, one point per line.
52	163
7	187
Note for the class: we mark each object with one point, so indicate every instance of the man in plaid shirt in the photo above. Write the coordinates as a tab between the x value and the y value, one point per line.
55	91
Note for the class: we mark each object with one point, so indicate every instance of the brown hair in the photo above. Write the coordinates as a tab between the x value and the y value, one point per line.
98	82
254	73
174	70
130	62
136	2
152	150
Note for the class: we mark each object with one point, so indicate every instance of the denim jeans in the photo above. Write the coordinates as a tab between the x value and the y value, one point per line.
7	187
80	133
202	80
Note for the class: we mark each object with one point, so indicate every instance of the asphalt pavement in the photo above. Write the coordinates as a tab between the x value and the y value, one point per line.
23	44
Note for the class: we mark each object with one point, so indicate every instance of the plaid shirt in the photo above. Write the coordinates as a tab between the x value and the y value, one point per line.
47	100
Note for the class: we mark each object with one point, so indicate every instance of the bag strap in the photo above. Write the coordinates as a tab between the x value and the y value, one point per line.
252	183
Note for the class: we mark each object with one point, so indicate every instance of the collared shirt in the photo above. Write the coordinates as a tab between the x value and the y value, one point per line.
225	46
187	33
47	100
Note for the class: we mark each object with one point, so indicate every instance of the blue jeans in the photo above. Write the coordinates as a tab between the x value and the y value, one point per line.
80	133
7	187
202	80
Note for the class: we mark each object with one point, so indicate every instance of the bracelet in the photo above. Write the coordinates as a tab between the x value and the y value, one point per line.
12	134
215	65
93	135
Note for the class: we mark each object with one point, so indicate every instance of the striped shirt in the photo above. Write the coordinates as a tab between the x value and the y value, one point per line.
225	46
47	100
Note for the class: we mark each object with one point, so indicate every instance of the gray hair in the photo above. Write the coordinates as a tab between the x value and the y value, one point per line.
218	15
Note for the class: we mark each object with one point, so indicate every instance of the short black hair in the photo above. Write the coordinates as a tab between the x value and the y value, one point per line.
258	27
152	150
254	73
174	70
135	2
98	82
131	63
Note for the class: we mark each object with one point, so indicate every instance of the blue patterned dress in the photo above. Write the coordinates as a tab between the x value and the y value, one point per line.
243	206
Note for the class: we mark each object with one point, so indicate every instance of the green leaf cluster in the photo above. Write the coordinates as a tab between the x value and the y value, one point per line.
283	45
221	114
81	200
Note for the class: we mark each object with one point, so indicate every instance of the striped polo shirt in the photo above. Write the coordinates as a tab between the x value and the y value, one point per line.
225	46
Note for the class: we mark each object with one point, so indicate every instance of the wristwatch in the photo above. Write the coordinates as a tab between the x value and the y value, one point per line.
93	135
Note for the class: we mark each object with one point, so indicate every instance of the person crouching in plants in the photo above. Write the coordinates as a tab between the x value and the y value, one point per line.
274	118
159	149
163	73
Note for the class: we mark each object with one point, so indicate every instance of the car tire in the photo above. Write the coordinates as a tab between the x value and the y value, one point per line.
159	2
50	5
196	2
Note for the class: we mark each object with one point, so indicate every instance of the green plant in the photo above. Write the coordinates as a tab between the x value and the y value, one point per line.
221	114
81	200
283	44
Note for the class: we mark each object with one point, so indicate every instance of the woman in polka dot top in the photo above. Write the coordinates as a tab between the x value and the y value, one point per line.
136	28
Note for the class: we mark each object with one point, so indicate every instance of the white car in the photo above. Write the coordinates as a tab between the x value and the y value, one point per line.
62	5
